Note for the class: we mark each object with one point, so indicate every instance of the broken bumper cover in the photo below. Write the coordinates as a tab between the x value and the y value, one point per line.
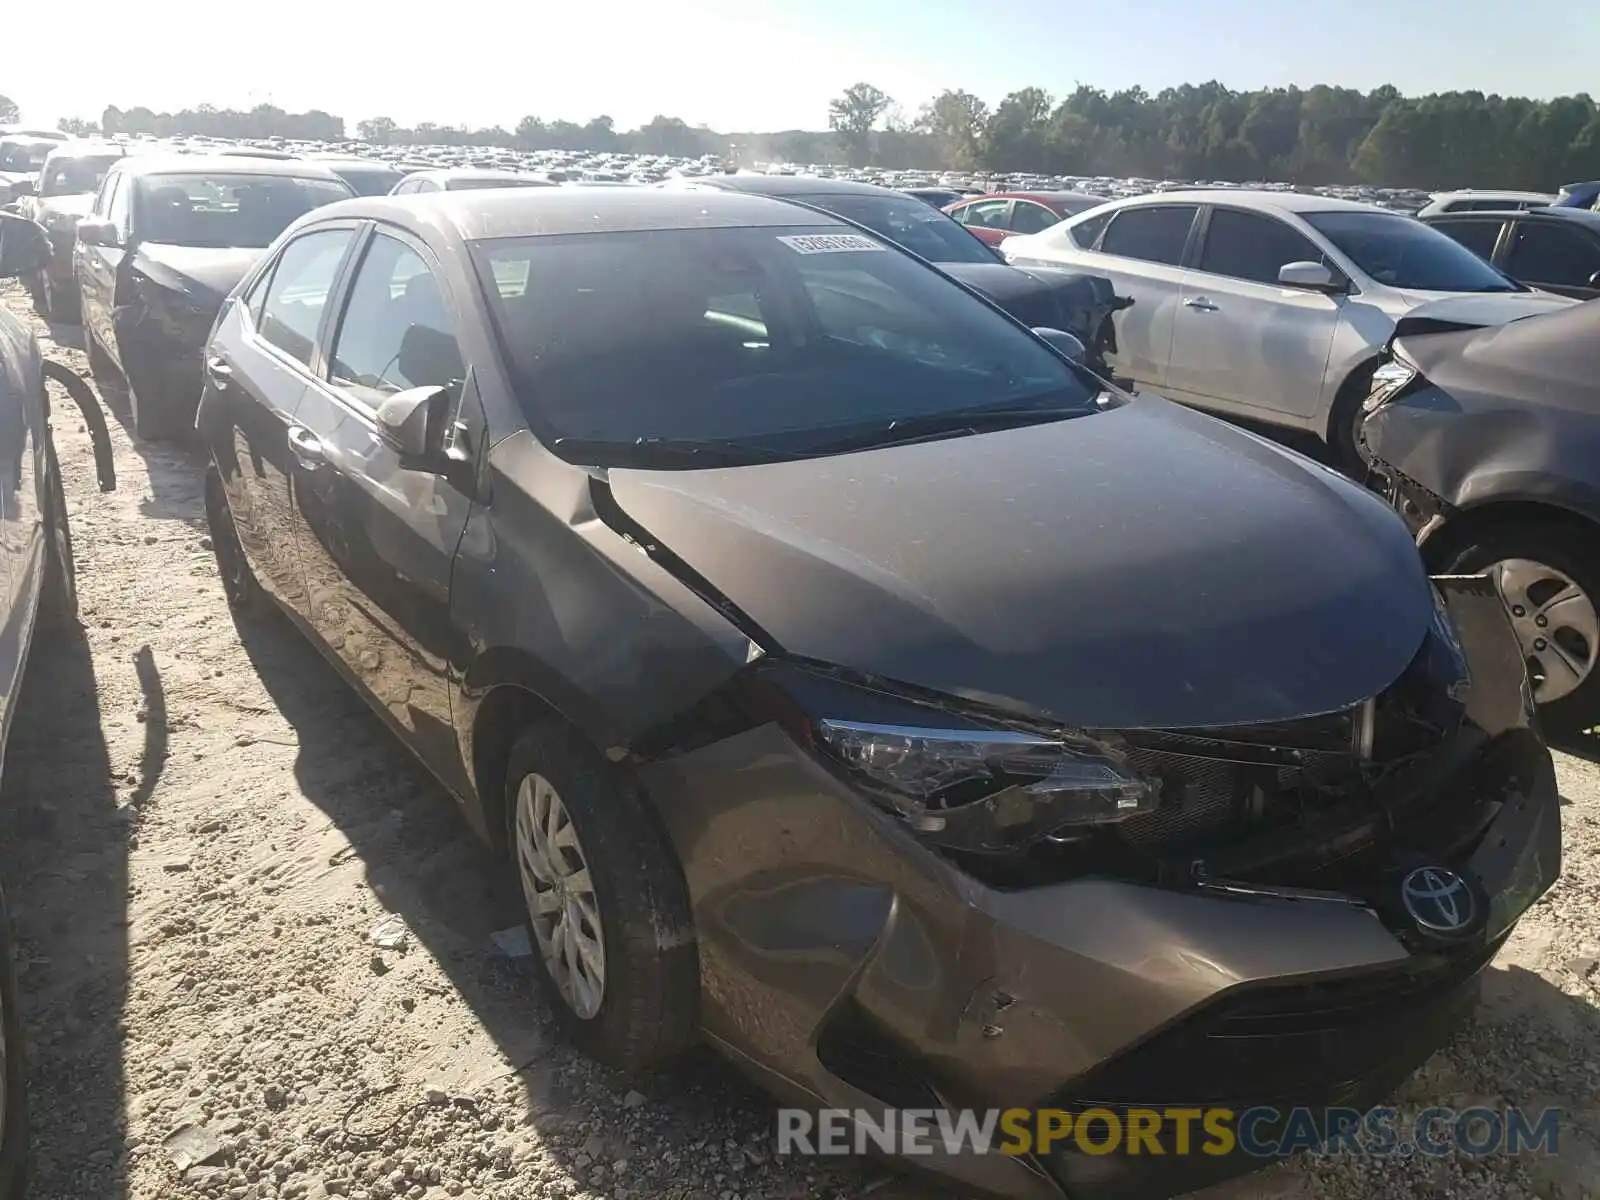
847	965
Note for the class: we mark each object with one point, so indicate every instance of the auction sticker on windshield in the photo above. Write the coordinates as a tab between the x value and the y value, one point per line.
828	243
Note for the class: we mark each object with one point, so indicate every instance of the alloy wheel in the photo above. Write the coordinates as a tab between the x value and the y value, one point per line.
563	911
1556	623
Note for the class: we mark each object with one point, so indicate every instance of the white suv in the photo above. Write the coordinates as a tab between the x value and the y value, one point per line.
1272	306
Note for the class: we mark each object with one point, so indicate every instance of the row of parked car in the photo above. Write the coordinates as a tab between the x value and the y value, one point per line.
853	675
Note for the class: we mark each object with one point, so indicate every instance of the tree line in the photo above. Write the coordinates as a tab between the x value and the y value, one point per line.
1316	135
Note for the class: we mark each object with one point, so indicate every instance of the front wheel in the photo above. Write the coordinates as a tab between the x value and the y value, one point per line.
58	603
605	901
1549	577
239	584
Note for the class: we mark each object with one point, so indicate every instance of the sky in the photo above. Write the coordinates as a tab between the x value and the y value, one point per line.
756	64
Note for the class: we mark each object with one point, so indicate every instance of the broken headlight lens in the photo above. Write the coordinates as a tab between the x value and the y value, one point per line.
1388	381
988	790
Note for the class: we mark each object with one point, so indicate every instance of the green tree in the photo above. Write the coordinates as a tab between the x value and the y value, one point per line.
77	126
9	113
956	120
379	131
852	117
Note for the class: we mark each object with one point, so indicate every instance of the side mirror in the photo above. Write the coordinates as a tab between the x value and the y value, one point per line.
24	246
1069	345
1315	277
412	424
99	233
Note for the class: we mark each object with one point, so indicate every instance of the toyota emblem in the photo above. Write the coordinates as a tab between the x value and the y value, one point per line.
1438	900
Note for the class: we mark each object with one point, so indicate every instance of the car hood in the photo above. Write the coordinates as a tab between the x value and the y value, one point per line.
206	274
1143	567
1043	297
77	204
1441	309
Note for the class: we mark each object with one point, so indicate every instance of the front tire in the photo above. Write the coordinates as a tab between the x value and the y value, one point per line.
1345	420
58	601
606	905
1549	576
13	1073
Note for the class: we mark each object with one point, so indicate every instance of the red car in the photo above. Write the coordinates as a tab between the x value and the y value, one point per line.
994	218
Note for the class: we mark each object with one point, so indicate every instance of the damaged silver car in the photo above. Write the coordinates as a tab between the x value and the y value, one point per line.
856	683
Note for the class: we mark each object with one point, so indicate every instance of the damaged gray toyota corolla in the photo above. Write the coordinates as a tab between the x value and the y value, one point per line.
857	683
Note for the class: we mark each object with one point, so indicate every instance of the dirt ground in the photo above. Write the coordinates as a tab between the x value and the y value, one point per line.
200	836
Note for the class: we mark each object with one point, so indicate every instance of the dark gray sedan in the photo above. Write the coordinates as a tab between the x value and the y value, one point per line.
855	682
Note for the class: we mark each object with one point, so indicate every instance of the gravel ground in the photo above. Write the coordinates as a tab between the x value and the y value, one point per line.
205	840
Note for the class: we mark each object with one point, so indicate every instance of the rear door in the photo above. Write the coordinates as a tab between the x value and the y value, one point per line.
259	359
1029	216
1141	249
378	540
1242	342
1552	256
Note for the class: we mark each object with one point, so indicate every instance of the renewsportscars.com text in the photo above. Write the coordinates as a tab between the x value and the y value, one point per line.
1257	1132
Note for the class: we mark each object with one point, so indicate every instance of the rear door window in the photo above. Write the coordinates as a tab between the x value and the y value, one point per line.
990	214
1028	217
1477	235
1155	233
1252	246
1546	253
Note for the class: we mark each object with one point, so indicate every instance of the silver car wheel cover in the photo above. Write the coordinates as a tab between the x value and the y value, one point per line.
563	912
1556	623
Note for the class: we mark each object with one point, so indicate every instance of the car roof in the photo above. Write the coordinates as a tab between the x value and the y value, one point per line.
86	149
1044	197
1487	194
223	164
1259	200
795	185
1582	216
533	212
445	173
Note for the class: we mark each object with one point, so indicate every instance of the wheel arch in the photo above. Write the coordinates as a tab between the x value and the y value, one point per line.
505	690
1465	525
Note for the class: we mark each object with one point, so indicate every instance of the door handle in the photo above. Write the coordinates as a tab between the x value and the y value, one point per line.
307	446
220	372
1201	303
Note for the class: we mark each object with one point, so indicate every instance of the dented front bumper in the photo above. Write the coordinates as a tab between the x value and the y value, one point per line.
846	964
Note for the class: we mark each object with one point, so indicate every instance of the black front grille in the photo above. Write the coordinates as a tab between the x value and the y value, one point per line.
1289	1044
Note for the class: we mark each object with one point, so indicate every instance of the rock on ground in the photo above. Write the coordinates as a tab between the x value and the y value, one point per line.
211	846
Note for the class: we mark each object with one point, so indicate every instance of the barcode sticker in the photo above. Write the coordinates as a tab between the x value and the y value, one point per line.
828	243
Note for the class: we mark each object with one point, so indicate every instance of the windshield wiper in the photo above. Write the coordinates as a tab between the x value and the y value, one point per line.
946	424
662	451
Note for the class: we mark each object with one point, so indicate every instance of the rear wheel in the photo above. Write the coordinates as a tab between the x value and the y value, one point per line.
605	900
1549	576
239	583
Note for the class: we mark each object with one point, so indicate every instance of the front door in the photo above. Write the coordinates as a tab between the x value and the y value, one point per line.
378	540
257	364
1243	343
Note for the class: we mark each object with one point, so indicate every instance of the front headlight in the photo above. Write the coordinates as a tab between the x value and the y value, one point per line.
988	790
1388	381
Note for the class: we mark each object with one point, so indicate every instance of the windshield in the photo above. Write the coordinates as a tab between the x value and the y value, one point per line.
1401	252
781	340
24	156
76	176
226	210
920	228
